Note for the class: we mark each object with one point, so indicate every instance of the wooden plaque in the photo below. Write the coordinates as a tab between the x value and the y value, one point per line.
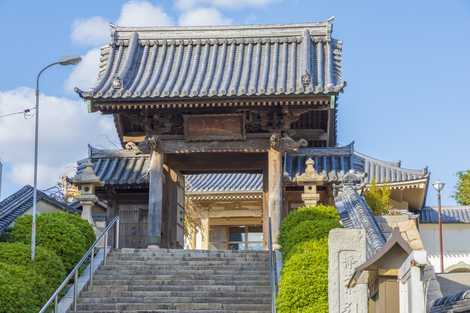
207	127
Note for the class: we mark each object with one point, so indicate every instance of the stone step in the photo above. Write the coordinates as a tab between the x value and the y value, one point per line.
100	293
180	288
174	299
187	258
183	274
166	252
171	311
173	282
171	306
185	270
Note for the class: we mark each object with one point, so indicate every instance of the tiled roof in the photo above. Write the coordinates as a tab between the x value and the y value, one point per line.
219	61
224	182
355	213
450	215
337	161
459	302
119	167
125	168
21	201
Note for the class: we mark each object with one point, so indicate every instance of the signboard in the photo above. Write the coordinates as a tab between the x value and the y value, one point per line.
207	127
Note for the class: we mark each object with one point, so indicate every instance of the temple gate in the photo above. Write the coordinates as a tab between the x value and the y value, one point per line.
215	99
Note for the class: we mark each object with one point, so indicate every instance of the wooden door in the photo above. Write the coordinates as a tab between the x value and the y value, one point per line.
388	300
133	226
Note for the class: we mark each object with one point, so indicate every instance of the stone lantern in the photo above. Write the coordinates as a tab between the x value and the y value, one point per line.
87	181
310	179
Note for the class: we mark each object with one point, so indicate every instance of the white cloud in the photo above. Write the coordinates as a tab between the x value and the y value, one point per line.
203	16
226	4
143	13
93	31
84	75
65	129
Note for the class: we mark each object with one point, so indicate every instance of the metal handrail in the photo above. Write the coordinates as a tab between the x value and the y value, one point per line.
272	268
74	273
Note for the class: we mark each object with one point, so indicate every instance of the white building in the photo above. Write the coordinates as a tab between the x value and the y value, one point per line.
456	237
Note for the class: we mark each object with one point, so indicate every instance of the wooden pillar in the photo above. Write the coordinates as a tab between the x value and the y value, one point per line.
275	200
205	229
155	199
265	207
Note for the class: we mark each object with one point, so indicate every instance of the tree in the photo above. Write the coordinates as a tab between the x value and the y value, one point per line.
462	194
378	198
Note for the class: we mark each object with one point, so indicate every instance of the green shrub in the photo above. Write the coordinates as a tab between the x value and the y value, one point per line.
46	262
58	232
305	231
85	228
378	198
21	289
308	213
303	238
303	286
325	218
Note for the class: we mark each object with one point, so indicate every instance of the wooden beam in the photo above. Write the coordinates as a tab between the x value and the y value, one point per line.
216	162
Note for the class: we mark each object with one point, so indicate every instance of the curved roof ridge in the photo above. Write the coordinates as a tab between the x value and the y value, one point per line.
96	153
251	29
396	164
349	148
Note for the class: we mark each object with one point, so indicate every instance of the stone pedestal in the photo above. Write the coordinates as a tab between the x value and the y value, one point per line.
347	251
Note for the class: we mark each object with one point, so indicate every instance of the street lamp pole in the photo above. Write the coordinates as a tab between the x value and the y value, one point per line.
64	61
438	186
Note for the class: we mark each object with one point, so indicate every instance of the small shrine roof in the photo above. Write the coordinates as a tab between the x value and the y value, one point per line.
450	215
21	201
335	162
168	63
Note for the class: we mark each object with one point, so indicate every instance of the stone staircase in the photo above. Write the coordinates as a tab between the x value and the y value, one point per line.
179	281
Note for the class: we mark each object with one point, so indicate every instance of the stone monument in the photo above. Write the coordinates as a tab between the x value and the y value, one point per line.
347	250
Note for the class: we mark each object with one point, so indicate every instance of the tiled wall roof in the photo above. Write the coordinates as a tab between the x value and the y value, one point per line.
21	201
450	215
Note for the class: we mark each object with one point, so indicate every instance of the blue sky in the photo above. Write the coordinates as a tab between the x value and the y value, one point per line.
406	64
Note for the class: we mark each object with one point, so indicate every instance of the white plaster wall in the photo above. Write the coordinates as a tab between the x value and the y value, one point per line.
456	239
43	207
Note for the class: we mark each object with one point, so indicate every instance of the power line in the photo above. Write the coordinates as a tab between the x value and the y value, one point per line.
26	112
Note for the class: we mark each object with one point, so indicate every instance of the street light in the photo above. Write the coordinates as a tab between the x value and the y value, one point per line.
63	61
438	186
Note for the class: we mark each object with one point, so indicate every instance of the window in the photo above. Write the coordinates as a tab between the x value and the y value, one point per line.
245	238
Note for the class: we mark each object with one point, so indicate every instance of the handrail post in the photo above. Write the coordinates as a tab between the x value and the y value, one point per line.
117	234
75	291
105	247
56	304
272	268
92	259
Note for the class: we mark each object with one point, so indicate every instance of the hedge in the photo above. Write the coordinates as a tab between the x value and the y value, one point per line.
61	233
304	281
303	286
46	263
305	224
306	231
22	289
